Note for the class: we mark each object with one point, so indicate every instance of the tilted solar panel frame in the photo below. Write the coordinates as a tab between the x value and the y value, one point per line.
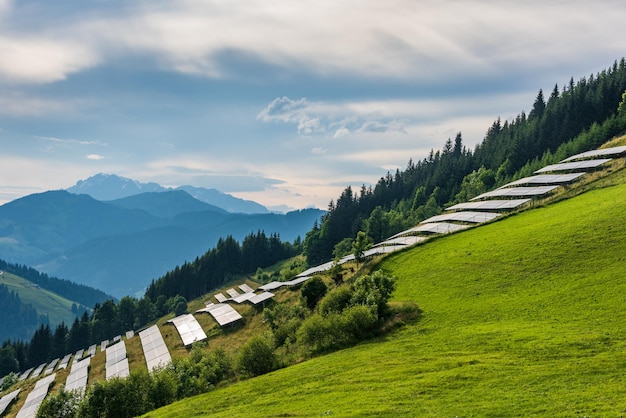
517	192
6	400
577	165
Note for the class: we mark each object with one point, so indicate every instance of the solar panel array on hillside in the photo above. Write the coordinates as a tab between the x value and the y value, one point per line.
490	205
517	192
546	179
77	379
224	314
472	217
154	349
35	397
6	400
577	165
232	293
189	329
597	153
116	361
130	334
103	345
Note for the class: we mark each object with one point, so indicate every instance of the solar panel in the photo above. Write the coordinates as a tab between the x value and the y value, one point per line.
271	285
490	205
119	369
65	361
189	329
545	179
6	400
243	297
401	241
220	298
224	314
577	165
91	351
51	367
432	228
297	281
79	355
26	373
597	153
103	345
245	288
154	349
130	334
35	397
473	217
115	354
77	379
517	192
38	371
256	299
317	269
232	293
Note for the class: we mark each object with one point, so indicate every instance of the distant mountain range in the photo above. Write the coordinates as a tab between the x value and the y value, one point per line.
107	187
120	245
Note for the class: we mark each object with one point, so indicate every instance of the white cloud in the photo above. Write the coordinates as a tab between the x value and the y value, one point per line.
95	157
42	60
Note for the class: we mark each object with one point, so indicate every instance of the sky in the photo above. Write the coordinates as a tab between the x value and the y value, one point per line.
283	103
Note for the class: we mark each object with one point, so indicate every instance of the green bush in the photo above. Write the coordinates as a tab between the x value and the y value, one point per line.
313	290
62	405
257	357
335	300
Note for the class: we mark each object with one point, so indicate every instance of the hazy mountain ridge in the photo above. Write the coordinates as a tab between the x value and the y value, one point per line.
120	246
108	187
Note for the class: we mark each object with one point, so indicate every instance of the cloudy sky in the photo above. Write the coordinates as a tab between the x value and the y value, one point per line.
284	103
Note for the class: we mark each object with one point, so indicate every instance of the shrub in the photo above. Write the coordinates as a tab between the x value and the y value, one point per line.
374	290
313	290
336	300
62	405
257	357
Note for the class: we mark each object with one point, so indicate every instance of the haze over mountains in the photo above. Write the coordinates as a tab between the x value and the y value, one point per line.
141	232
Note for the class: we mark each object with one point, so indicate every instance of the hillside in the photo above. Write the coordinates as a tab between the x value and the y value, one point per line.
48	304
523	316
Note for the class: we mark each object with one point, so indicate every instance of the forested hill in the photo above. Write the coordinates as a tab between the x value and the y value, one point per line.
85	295
577	117
19	320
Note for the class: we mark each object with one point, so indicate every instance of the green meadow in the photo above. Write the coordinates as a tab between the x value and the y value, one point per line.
45	302
525	316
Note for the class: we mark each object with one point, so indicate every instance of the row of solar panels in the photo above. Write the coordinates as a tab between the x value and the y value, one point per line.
478	210
155	352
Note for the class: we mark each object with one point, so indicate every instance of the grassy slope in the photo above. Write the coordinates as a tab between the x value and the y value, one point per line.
524	316
45	302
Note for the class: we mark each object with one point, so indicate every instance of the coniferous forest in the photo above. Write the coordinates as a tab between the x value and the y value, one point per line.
573	118
583	114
